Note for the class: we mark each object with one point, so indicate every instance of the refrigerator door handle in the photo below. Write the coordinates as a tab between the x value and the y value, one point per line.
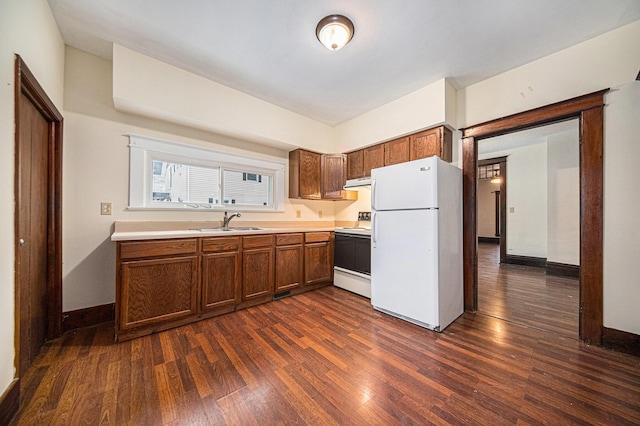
373	194
374	230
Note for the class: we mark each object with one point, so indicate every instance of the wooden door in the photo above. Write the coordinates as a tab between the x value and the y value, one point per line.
304	174
289	267
38	254
32	231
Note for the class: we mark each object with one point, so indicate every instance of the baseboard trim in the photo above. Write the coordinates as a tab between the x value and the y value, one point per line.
563	269
621	341
88	317
538	262
10	402
490	240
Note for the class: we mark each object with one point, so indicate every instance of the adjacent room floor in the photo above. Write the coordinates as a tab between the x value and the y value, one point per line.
526	295
325	357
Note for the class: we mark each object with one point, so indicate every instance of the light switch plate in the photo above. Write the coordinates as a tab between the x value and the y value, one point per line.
105	208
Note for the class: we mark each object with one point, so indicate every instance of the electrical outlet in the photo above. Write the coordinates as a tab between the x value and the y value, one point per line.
512	209
320	213
105	208
298	214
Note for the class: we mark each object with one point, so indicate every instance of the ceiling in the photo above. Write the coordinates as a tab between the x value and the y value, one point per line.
268	49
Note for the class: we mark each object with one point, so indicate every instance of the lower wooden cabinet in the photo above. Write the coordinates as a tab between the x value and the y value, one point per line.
257	266
221	263
318	257
289	261
165	283
156	282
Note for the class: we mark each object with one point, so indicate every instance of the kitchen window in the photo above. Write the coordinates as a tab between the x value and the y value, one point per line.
168	175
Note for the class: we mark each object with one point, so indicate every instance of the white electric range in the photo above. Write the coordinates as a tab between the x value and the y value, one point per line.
352	260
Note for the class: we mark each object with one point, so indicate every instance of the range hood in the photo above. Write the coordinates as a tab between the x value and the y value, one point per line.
357	183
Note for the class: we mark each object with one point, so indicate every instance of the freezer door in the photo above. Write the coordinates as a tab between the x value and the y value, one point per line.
404	262
410	185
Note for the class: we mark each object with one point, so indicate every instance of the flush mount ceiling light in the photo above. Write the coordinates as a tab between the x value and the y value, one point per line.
334	31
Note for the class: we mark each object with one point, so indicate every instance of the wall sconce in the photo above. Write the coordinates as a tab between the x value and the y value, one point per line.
335	31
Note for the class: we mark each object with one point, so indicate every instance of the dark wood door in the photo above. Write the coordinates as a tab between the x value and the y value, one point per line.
32	230
318	262
38	236
304	174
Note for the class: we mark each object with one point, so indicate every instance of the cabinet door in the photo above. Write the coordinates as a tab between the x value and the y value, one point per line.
289	267
396	151
152	291
257	273
372	158
304	174
355	164
220	279
334	174
318	262
425	144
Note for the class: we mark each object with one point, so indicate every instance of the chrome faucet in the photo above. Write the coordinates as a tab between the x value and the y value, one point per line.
227	219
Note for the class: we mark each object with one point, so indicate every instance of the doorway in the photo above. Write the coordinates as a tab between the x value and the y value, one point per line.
589	110
542	233
38	218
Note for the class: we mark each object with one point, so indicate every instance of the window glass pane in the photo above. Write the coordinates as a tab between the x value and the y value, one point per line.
184	183
247	188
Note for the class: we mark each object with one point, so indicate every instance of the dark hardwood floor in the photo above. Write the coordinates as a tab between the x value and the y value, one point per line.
325	357
525	295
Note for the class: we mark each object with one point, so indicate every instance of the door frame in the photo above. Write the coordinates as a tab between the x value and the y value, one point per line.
27	85
589	109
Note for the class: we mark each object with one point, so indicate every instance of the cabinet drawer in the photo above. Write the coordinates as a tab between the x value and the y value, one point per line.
314	237
157	248
220	244
257	241
288	239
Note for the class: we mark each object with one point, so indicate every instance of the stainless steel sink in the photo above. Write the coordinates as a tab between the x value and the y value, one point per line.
239	228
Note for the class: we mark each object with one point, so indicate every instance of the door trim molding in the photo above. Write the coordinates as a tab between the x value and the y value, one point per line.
27	85
589	110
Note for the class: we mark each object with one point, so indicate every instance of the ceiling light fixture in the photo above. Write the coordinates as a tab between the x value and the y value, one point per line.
334	31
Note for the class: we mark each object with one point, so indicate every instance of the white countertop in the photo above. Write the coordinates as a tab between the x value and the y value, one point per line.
194	233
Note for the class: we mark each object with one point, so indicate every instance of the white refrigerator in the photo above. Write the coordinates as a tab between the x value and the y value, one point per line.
416	242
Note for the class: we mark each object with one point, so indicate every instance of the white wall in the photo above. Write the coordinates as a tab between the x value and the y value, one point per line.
563	197
487	208
96	169
422	109
29	30
143	85
526	198
611	60
621	207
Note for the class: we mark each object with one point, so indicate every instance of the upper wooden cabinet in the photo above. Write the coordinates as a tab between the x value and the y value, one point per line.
314	176
305	174
334	175
431	142
372	158
436	141
355	164
396	151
